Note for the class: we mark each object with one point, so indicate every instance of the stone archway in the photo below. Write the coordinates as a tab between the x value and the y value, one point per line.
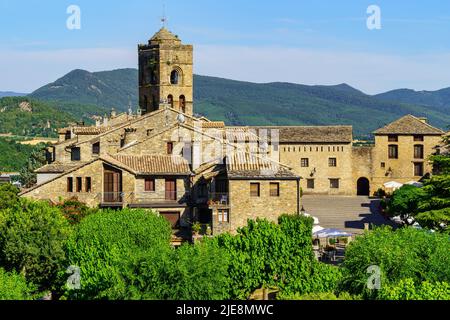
363	187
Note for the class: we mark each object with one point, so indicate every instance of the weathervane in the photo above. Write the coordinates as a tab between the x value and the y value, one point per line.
164	17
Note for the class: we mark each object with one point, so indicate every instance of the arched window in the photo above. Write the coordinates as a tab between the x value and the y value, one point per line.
174	77
145	103
170	100
182	103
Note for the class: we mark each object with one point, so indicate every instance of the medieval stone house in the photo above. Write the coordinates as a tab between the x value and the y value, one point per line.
193	169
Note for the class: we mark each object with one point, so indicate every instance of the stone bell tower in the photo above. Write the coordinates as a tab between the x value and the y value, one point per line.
165	73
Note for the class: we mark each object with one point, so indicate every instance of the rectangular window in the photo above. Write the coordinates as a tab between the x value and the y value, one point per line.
418	138
69	184
418	152
224	216
393	138
79	184
418	169
334	183
96	148
383	165
171	189
332	162
149	185
393	151
310	183
88	184
169	148
255	189
76	154
304	162
68	135
274	189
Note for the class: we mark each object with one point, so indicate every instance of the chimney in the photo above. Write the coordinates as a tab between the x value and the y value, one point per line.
423	119
113	113
105	121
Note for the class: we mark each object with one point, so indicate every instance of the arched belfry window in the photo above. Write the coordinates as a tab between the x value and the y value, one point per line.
170	100
175	77
182	103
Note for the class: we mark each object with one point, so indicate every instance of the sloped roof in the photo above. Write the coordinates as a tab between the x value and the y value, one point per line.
213	125
313	134
57	167
155	164
246	165
90	130
409	125
164	35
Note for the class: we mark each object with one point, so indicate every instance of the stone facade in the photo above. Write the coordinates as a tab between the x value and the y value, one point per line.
142	160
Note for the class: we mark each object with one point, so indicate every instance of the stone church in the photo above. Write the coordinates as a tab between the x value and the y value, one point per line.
192	169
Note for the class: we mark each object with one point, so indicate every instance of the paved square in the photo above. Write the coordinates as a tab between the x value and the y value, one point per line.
345	213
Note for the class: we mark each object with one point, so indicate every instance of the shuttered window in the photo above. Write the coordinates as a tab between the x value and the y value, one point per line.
149	185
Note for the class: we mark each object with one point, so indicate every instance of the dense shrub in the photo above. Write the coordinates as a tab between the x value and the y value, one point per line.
13	287
406	253
110	245
32	237
408	290
266	254
74	210
191	272
319	296
8	196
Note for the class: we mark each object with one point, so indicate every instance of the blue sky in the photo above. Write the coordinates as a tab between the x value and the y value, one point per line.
310	42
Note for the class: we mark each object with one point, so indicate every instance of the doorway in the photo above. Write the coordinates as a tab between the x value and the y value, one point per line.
363	187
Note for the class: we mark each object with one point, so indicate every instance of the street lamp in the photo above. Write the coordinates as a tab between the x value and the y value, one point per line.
302	211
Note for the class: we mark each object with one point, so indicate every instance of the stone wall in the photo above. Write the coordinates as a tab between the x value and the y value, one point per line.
319	169
244	207
402	169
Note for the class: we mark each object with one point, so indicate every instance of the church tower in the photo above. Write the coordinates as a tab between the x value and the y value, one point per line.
165	73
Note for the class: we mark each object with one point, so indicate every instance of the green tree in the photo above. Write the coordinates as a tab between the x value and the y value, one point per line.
14	287
36	160
8	196
265	254
111	246
74	210
31	241
407	289
191	272
406	253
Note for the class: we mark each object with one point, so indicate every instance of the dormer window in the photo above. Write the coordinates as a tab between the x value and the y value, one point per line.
96	148
174	77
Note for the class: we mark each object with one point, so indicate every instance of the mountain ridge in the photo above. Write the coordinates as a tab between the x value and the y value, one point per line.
246	103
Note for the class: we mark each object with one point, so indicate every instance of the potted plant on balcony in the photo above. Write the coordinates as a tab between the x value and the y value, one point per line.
196	227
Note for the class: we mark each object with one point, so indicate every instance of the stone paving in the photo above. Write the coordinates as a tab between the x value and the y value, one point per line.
345	213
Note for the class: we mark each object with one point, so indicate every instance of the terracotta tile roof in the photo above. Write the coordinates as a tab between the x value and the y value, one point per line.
245	165
313	134
57	167
213	125
90	131
241	134
155	164
409	125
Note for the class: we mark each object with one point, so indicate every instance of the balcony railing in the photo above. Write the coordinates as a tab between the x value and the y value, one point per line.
219	199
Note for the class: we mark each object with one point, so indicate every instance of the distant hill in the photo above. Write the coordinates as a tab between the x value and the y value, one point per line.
245	103
11	94
438	100
104	89
23	116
